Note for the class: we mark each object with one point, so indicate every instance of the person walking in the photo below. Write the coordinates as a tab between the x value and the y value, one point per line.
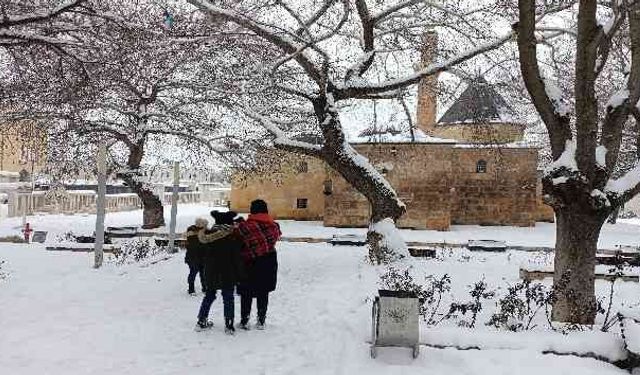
259	235
223	268
193	256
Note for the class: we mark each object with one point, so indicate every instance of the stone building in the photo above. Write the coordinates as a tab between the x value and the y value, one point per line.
22	149
470	167
485	176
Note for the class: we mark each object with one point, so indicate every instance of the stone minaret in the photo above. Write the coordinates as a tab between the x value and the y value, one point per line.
428	87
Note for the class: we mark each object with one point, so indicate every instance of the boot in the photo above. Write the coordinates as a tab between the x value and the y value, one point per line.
244	323
203	325
260	323
228	327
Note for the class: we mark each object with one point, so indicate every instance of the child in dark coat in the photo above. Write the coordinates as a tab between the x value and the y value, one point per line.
193	257
223	268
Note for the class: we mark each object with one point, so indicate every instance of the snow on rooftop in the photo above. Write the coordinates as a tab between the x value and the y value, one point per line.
398	137
518	144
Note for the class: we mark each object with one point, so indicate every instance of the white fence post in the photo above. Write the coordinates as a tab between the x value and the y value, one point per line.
100	205
174	207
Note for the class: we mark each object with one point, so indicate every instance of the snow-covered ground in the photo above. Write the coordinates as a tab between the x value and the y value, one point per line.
59	316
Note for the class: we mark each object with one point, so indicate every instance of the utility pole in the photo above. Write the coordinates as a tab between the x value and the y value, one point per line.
100	205
174	208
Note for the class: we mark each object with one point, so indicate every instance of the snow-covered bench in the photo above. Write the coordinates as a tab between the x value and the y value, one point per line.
487	245
348	239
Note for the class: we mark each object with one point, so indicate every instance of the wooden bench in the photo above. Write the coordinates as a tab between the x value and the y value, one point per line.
422	252
541	275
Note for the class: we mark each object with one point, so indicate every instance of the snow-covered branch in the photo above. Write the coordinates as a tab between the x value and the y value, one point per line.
285	44
351	89
39	16
281	140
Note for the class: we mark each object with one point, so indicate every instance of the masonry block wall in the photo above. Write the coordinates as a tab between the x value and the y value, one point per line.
291	184
441	185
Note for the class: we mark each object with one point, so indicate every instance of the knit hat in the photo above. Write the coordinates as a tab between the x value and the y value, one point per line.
202	222
223	217
259	207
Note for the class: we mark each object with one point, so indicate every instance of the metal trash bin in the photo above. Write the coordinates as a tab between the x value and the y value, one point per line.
395	321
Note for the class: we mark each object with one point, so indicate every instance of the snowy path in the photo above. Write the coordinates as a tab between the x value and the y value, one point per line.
58	316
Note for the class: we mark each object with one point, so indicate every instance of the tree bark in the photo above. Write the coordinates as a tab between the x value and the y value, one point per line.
360	174
152	208
577	233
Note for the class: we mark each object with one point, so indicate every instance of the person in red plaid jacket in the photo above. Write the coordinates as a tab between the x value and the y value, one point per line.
259	234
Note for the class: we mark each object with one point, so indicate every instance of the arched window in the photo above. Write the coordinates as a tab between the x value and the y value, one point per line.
481	166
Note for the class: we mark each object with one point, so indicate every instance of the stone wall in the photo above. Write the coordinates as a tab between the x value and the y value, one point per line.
481	133
505	194
405	166
281	185
440	185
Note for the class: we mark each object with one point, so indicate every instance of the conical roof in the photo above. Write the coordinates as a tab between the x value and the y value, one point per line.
479	103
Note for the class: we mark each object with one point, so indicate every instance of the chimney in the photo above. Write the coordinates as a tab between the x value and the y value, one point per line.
428	86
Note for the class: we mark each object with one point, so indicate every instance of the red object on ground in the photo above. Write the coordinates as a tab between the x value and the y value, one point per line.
27	232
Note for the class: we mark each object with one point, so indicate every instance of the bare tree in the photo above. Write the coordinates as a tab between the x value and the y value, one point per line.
144	80
49	23
585	129
336	52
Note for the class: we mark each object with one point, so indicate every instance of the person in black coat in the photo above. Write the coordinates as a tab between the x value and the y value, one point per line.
259	235
223	268
193	257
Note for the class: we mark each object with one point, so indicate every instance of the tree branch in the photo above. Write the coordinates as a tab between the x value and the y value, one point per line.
287	46
557	123
353	90
36	17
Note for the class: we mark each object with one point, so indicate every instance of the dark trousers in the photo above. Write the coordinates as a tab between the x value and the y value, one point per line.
194	269
262	300
210	296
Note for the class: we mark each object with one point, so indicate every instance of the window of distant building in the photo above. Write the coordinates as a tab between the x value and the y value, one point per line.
303	167
327	187
481	166
302	203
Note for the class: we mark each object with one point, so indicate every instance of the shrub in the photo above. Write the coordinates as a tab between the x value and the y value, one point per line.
13	239
136	251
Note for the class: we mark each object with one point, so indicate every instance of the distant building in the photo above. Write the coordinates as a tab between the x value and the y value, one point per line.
22	151
470	167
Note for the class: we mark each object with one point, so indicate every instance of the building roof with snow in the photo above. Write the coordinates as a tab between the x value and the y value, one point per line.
480	103
393	135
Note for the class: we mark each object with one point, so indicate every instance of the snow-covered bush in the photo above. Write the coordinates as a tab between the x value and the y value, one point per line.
430	294
139	251
479	292
3	274
12	239
68	236
520	306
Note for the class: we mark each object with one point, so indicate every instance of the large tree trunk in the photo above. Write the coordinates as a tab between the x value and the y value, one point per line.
152	209
384	240
574	266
